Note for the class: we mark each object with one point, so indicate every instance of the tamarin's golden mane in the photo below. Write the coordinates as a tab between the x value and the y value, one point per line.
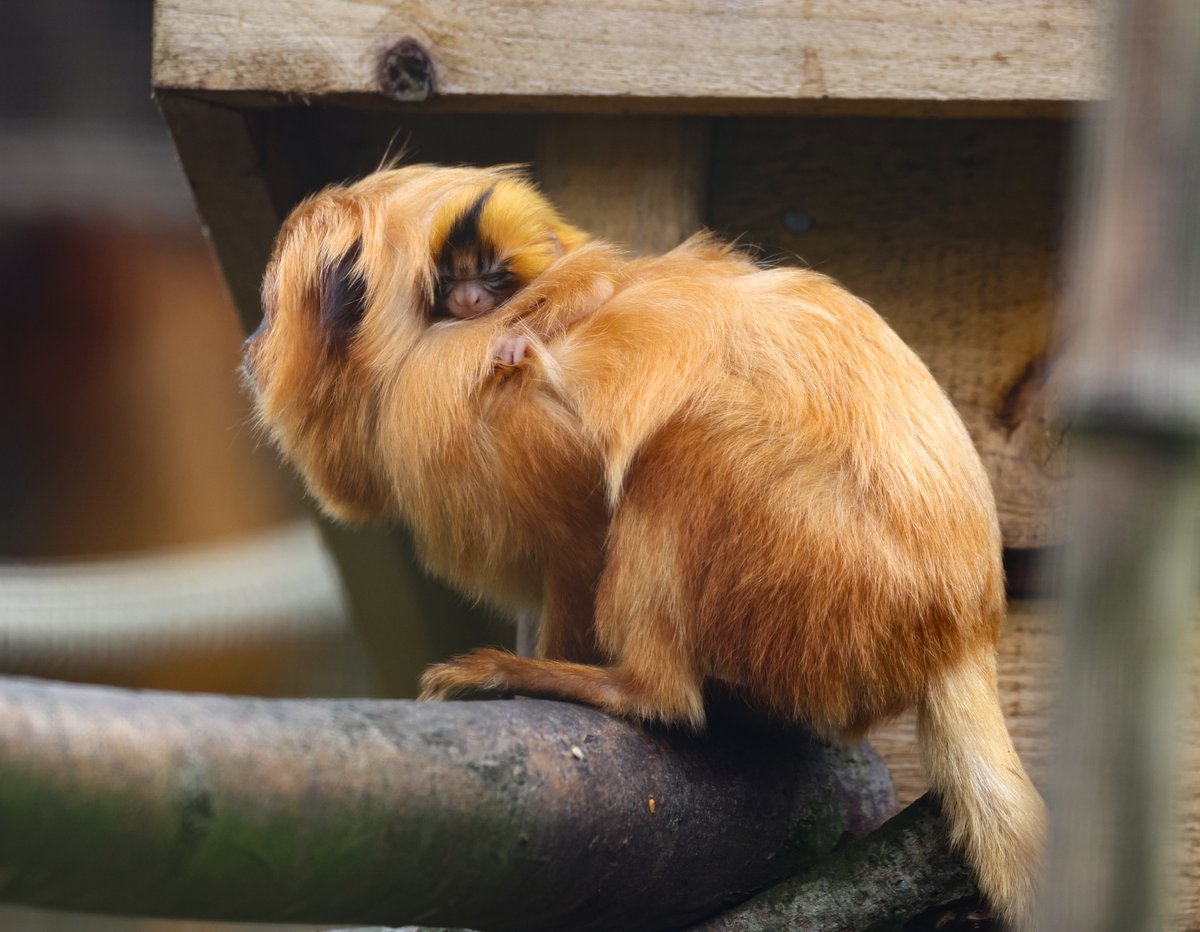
691	468
391	226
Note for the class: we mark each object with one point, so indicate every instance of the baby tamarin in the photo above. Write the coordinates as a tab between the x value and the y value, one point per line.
480	262
693	468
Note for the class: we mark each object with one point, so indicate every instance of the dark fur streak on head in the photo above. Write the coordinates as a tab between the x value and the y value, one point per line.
465	255
464	234
343	297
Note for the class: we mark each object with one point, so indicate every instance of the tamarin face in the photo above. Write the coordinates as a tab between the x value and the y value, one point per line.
362	278
479	264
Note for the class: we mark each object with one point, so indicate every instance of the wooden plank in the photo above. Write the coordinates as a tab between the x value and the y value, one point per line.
1029	661
511	105
637	49
636	181
950	229
223	166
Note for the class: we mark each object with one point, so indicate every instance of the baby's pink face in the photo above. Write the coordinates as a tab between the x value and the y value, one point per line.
469	299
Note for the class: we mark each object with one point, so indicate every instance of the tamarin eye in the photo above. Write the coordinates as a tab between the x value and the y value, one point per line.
495	280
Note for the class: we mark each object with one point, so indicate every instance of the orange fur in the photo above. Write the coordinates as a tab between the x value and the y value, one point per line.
703	471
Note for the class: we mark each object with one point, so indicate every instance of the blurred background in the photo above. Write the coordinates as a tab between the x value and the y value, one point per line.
146	539
141	523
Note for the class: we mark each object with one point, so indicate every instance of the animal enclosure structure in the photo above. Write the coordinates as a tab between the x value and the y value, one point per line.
917	152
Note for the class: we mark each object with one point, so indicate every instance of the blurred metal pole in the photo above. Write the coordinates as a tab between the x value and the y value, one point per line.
1134	333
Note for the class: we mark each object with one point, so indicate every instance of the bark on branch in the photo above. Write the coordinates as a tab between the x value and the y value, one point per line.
902	869
490	815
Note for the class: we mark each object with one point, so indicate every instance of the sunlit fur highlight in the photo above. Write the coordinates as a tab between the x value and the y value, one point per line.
704	471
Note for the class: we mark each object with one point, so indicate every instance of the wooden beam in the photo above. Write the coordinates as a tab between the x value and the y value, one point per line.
223	165
927	50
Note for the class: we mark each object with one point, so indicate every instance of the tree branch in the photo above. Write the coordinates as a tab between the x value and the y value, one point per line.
899	871
523	815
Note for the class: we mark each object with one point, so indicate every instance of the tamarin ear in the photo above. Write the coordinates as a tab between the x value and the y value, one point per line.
343	293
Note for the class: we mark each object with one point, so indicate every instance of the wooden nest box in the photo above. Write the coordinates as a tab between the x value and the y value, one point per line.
918	152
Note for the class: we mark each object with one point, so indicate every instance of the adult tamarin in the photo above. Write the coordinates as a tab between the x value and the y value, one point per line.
694	469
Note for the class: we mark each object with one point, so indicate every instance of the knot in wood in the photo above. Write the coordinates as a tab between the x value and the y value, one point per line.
406	72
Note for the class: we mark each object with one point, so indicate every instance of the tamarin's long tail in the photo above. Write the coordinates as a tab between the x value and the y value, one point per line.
996	816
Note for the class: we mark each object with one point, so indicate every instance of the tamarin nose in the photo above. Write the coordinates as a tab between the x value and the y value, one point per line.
249	377
469	299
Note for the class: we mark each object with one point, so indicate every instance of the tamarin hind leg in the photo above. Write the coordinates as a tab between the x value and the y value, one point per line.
616	602
566	629
618	690
561	637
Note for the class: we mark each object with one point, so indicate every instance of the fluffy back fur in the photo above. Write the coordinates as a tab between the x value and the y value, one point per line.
703	471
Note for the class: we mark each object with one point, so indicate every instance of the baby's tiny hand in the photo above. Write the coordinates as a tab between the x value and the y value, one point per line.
510	349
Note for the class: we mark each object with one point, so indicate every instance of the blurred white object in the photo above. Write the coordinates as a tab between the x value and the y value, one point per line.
277	584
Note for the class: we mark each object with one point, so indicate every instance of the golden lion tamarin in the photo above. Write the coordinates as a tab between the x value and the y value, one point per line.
694	469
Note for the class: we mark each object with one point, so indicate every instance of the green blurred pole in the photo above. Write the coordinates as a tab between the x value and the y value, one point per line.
1129	572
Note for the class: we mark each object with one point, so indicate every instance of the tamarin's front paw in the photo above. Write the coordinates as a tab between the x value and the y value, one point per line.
511	349
481	671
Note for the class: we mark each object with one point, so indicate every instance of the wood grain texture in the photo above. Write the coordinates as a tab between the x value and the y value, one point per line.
1029	662
846	49
636	181
950	229
221	159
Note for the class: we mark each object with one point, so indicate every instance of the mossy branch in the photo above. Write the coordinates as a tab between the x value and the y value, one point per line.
901	870
523	814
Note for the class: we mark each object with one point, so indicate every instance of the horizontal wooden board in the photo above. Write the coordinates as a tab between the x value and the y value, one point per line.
1028	660
905	50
